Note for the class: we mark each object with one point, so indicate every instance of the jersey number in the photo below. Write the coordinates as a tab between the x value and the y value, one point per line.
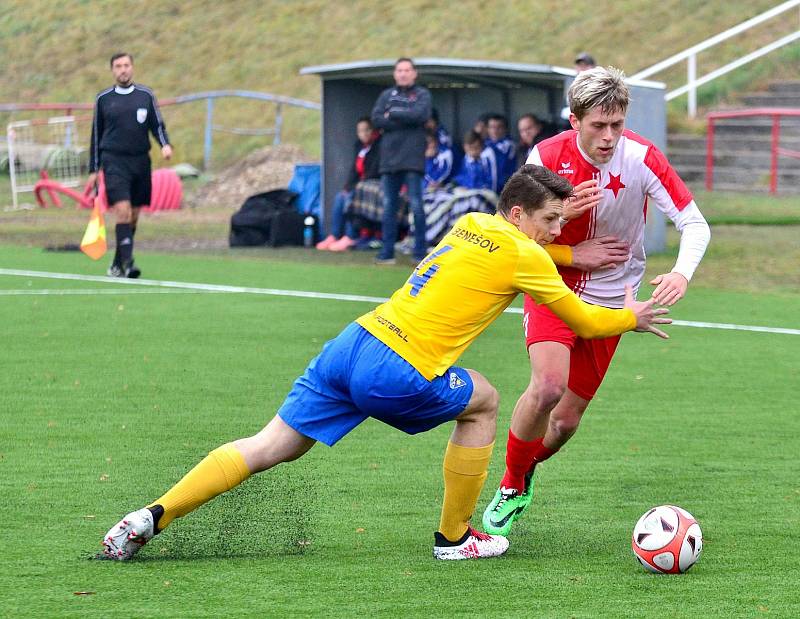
419	278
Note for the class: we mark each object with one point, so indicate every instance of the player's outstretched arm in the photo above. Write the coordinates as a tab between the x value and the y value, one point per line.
593	321
670	288
647	315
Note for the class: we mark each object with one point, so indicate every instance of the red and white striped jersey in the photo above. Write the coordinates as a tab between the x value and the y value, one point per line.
637	174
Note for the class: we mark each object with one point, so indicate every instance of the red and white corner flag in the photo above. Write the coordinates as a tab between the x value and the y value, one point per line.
94	239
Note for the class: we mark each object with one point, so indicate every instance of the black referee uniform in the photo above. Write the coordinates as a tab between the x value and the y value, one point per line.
121	148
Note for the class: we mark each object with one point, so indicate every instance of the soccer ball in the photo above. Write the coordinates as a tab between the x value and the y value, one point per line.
667	540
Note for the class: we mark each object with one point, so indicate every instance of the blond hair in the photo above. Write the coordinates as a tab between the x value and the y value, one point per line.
602	87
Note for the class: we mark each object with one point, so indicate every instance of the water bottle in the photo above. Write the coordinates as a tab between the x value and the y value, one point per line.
308	231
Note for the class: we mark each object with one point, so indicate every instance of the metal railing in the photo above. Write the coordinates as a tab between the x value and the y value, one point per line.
775	150
209	97
690	56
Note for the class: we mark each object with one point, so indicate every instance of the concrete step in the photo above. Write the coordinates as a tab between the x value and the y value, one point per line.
785	87
735	175
742	159
767	99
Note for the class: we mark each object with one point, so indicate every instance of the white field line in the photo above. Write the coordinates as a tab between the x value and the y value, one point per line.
193	287
94	291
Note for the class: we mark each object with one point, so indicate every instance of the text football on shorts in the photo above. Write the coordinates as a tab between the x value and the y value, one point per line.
667	540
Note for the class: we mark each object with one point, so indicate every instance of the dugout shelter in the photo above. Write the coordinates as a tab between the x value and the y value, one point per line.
461	91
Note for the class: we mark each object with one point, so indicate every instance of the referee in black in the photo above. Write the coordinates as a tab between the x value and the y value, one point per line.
123	115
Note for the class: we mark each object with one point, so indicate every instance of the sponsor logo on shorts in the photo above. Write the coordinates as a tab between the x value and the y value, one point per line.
141	115
456	381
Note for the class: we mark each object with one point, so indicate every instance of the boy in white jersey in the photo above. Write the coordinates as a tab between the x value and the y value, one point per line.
600	251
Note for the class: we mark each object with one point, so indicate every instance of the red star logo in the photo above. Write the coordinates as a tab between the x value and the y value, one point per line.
615	184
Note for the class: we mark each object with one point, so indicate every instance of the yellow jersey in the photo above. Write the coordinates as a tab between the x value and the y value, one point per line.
465	283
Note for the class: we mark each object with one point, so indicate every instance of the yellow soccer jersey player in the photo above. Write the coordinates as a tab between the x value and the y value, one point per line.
395	364
474	273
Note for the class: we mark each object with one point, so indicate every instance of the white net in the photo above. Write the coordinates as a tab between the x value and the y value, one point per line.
59	146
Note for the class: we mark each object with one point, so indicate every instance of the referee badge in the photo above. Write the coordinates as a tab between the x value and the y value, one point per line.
141	114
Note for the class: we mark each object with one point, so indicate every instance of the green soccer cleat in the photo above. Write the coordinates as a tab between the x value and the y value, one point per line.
504	509
527	496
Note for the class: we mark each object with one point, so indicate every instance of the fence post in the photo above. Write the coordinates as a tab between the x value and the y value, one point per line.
207	136
278	123
773	167
691	70
710	154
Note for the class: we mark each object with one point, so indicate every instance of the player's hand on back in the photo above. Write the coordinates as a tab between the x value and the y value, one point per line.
603	252
586	196
670	288
647	315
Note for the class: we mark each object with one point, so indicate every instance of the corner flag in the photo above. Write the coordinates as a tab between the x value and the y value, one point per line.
94	239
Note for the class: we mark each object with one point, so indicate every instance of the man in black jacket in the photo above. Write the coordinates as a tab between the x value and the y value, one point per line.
401	112
123	115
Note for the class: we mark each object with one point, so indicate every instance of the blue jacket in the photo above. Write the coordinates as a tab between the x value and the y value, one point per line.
506	156
438	168
474	173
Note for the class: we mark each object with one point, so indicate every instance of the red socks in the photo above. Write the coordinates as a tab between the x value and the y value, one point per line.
521	457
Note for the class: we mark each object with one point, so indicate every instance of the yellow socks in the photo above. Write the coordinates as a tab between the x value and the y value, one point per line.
222	469
465	470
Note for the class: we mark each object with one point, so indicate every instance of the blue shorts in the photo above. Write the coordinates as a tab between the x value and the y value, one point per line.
357	376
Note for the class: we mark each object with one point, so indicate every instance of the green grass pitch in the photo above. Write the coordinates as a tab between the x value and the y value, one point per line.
107	399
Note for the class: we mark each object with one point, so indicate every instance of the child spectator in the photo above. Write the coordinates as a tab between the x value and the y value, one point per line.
504	150
365	166
481	126
438	162
475	171
445	204
433	124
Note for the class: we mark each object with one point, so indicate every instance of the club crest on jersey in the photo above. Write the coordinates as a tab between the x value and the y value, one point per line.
565	168
455	381
141	114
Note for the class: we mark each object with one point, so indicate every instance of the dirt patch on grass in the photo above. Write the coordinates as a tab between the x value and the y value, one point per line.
263	170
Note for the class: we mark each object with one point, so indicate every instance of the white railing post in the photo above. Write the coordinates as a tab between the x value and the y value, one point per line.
691	78
690	55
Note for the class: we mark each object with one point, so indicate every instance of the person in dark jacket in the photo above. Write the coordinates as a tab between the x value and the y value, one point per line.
401	112
365	166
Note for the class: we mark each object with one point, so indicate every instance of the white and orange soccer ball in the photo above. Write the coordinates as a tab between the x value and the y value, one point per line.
667	540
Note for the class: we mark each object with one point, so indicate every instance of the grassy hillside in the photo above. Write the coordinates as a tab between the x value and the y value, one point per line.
59	51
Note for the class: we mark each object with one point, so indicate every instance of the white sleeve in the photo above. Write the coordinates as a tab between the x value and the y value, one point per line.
695	236
535	158
671	197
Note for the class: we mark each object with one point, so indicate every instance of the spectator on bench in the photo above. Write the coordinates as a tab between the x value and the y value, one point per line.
531	131
342	234
504	150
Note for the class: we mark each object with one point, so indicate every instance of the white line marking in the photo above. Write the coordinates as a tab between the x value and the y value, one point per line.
188	286
94	291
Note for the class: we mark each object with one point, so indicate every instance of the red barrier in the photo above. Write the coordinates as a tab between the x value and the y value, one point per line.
166	192
775	114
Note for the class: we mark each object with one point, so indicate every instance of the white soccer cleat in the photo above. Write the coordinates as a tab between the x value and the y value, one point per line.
128	536
473	545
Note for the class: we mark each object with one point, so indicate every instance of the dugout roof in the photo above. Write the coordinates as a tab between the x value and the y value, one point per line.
461	90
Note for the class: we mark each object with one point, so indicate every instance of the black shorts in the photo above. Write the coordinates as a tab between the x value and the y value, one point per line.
127	177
